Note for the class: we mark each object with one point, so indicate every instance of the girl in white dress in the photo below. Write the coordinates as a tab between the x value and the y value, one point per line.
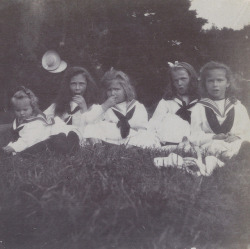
171	119
219	122
32	132
122	116
78	92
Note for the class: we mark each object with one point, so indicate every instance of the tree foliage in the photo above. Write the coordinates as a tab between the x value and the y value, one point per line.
139	37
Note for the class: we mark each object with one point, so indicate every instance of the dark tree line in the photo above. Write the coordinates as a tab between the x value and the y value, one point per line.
138	37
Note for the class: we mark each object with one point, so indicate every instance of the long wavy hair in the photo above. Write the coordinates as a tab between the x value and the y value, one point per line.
123	79
22	93
230	91
62	102
193	91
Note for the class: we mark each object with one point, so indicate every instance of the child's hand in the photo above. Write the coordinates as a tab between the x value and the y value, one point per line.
220	136
8	149
231	138
110	102
80	101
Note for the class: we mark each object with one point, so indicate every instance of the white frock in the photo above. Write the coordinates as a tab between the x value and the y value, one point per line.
79	120
105	126
166	124
202	134
33	131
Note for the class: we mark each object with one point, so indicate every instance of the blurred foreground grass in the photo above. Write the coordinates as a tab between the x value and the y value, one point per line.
112	197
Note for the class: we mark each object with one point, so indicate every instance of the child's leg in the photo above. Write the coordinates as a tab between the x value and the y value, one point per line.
143	139
35	149
58	143
92	141
73	142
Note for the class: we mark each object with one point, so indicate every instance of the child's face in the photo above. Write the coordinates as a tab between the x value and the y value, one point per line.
78	84
216	83
115	89
23	109
181	81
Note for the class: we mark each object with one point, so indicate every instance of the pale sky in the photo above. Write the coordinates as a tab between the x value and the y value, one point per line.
223	13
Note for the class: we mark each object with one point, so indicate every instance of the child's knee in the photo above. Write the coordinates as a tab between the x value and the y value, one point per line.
35	149
73	141
64	144
58	143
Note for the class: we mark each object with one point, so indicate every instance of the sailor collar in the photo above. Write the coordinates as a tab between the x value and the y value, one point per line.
212	105
130	105
180	102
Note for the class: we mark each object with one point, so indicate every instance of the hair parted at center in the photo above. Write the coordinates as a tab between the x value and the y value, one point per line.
22	93
230	92
193	85
123	79
62	102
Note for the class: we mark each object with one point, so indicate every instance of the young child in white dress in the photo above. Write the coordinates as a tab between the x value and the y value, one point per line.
122	116
171	119
219	122
32	132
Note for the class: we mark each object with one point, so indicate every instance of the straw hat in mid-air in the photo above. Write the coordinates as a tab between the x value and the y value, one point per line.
52	62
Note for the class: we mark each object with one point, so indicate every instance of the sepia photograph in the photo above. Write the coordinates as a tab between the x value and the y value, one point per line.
124	124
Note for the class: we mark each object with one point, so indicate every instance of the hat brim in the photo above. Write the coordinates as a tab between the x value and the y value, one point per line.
62	67
55	63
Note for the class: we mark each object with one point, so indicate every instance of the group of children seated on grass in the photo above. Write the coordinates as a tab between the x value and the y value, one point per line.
205	113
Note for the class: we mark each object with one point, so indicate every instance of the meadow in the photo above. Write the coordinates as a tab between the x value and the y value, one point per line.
108	196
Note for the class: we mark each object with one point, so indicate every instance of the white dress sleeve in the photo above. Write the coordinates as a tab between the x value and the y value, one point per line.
140	118
161	109
50	111
31	134
92	115
242	122
198	135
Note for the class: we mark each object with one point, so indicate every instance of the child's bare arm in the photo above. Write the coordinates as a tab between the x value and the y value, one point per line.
220	136
80	101
110	102
231	138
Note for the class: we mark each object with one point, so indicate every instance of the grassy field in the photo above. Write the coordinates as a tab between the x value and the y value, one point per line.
111	197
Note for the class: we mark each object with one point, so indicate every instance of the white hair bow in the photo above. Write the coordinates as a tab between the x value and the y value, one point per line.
176	63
